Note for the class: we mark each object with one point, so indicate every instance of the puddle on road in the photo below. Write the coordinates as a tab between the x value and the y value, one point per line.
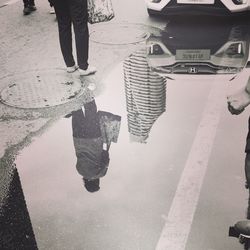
57	198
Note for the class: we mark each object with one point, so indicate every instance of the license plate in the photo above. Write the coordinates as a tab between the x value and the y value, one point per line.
193	55
196	1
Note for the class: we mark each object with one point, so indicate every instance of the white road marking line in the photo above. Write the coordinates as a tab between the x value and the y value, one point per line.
178	225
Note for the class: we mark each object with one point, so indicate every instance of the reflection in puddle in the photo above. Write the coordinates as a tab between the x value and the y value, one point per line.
93	132
199	48
145	96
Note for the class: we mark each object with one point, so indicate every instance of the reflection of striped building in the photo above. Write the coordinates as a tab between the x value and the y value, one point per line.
145	95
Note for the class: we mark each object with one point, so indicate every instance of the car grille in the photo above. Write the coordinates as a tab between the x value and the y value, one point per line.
201	68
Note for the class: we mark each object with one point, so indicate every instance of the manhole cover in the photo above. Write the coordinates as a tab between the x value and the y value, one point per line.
119	34
42	89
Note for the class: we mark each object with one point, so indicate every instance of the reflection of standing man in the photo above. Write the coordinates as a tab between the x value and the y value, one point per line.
74	12
92	139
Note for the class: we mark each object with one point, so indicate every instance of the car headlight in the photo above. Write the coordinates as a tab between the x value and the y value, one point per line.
155	49
239	2
229	70
235	50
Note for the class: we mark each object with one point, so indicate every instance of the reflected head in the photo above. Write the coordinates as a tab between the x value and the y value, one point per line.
92	185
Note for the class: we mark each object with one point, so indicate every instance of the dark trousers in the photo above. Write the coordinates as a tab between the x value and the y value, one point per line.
68	12
88	125
247	161
27	3
247	147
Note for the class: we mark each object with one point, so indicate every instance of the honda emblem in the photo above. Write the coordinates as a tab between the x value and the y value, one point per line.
192	70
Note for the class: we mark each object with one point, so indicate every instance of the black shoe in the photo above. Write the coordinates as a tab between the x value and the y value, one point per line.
32	7
26	10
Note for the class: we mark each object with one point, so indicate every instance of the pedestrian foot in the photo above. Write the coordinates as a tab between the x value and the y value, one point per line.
90	70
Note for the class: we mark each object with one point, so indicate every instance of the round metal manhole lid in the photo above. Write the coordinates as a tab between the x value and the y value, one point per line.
40	89
119	34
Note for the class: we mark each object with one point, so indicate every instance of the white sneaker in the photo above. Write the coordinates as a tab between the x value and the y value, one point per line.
72	69
90	70
52	11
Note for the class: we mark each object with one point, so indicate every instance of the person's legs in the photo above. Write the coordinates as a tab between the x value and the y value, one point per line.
78	121
32	6
92	124
62	10
247	172
29	6
86	125
31	3
26	10
26	3
247	159
247	169
79	15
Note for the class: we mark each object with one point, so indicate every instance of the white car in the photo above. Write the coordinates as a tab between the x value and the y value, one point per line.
213	7
199	50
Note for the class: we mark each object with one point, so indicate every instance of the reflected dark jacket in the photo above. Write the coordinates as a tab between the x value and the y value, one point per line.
92	160
91	129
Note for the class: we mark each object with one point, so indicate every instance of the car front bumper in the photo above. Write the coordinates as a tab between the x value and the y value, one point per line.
220	7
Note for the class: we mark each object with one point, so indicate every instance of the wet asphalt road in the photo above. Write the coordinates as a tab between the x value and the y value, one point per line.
139	193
